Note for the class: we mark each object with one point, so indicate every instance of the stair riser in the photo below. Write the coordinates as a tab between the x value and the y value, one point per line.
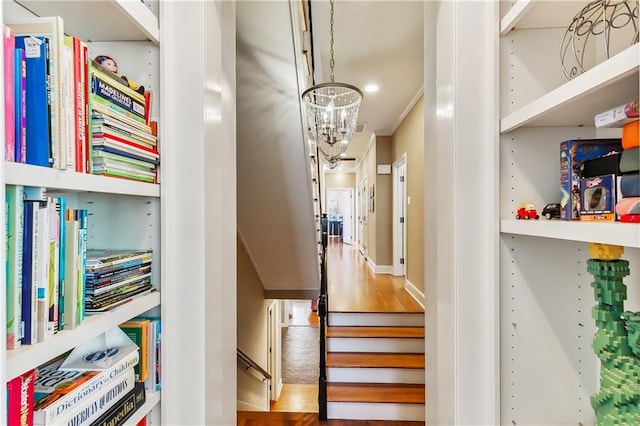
375	319
366	344
375	375
375	411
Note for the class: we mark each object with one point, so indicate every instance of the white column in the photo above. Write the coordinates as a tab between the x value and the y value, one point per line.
199	212
461	220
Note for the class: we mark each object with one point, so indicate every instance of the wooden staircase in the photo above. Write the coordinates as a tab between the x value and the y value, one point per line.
375	366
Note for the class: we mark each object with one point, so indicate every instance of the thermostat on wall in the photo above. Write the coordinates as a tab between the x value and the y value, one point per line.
384	169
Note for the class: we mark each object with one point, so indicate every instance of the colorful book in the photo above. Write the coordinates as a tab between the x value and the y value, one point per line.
69	100
9	45
29	280
81	108
54	265
72	261
37	100
113	94
42	244
51	28
20	104
103	106
20	399
138	331
61	207
124	408
59	392
105	124
15	228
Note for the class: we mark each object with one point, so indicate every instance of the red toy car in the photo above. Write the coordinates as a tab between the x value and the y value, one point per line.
527	211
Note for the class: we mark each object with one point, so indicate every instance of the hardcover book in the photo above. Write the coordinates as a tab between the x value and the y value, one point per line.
20	399
15	227
20	104
9	44
618	116
124	408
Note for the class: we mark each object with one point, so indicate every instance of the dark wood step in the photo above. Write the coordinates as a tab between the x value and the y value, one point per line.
376	393
375	360
384	332
262	418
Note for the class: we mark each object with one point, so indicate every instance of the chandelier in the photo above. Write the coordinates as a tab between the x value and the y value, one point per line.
332	112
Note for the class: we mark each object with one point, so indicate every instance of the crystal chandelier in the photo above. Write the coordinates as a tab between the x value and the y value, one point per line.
332	113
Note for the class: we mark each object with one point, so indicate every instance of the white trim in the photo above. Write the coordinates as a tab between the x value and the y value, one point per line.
279	389
245	406
408	109
399	269
352	193
415	293
366	150
379	269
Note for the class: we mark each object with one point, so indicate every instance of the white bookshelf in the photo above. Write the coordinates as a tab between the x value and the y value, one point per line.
545	293
151	401
122	213
30	356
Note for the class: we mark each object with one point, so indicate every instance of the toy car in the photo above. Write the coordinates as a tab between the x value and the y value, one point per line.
527	211
551	210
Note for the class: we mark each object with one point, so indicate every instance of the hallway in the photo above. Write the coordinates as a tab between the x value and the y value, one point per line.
353	288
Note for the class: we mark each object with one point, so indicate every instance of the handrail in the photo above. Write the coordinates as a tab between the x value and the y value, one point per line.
323	305
252	364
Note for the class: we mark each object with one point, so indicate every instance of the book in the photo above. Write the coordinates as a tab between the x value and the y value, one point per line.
122	410
115	141
104	124
15	227
138	331
113	94
93	407
101	352
80	106
41	262
29	279
72	260
60	391
51	28
20	104
9	45
38	148
54	265
61	207
618	116
103	106
99	259
20	399
69	100
97	70
82	216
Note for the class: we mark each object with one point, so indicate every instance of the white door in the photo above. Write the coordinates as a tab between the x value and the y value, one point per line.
347	216
399	217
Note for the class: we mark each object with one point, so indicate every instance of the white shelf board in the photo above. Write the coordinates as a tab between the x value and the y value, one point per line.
151	400
54	179
615	233
576	102
30	356
104	20
530	14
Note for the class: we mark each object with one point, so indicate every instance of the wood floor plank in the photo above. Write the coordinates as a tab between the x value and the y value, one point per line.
261	418
352	287
375	360
376	392
387	332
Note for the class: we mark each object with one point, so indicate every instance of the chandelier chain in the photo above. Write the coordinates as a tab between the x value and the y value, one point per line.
332	62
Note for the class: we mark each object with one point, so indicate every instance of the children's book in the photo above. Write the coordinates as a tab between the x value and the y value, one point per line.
15	228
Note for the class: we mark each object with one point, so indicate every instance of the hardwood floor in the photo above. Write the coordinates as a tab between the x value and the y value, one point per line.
352	287
253	418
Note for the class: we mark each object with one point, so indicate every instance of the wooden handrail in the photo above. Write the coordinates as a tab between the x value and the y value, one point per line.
252	364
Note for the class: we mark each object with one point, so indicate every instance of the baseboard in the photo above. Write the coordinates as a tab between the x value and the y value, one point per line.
381	269
415	293
245	406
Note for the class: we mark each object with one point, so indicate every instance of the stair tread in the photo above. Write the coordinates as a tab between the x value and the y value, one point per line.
375	360
376	392
387	332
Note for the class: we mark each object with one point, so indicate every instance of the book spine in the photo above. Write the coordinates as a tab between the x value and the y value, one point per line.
29	293
83	216
113	79
43	243
67	84
124	408
79	106
71	272
20	96
54	268
37	100
60	407
117	97
9	44
84	58
61	207
15	230
20	399
619	116
117	112
92	408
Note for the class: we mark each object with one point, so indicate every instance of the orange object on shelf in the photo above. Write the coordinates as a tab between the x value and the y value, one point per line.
630	137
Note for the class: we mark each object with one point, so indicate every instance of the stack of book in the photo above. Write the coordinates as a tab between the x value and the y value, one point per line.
123	143
114	277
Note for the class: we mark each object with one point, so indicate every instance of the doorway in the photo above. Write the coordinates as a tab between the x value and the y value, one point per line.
340	207
400	216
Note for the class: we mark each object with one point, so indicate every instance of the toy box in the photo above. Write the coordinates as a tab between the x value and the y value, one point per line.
573	153
598	198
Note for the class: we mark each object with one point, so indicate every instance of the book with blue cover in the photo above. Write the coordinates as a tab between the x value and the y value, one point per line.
20	105
37	99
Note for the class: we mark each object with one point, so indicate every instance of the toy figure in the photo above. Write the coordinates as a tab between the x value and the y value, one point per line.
108	64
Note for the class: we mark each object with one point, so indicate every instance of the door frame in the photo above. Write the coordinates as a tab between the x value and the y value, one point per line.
399	200
361	206
351	192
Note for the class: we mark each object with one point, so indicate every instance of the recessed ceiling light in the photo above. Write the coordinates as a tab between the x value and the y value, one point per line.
344	154
370	88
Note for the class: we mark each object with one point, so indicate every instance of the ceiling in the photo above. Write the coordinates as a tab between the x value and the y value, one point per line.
375	42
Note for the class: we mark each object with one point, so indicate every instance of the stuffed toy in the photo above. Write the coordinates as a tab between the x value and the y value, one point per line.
108	64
